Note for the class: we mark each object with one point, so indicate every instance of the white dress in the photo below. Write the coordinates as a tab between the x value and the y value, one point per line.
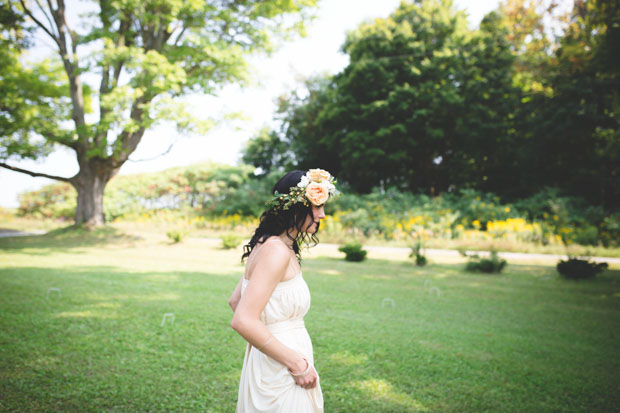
266	385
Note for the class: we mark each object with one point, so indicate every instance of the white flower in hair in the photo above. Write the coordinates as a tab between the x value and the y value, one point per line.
304	182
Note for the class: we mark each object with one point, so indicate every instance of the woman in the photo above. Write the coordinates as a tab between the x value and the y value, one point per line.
271	299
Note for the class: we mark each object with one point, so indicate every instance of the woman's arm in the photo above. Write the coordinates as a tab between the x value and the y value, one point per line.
268	272
236	296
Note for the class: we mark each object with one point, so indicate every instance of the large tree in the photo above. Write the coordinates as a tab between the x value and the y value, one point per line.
118	69
575	133
421	104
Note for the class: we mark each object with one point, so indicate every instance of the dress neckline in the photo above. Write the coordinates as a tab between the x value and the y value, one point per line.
282	282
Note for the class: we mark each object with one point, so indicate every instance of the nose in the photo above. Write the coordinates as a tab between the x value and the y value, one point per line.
321	213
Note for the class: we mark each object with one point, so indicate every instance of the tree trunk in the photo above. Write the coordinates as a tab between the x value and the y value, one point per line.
90	184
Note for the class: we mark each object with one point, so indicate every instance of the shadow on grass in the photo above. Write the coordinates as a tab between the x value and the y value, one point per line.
68	237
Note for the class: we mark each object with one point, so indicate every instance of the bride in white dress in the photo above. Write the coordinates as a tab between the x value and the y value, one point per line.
271	299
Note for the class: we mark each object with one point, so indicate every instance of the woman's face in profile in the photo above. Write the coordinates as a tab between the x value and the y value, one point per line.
311	224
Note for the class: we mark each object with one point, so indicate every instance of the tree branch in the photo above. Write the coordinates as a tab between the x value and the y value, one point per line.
122	41
153	158
71	66
35	174
47	17
130	140
38	23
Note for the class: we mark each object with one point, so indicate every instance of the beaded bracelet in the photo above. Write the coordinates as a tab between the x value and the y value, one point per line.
304	373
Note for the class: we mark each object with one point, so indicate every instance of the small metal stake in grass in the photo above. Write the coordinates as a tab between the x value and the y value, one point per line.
389	300
47	295
167	316
435	289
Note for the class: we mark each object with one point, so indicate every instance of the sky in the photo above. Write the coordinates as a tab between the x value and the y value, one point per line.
275	75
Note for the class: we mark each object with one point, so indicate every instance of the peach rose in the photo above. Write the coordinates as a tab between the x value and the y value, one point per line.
317	193
318	175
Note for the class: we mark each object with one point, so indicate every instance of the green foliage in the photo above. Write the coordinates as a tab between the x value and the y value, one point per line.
610	230
525	102
52	201
353	251
131	61
267	151
230	241
416	251
233	194
577	269
571	135
493	264
473	205
440	95
176	235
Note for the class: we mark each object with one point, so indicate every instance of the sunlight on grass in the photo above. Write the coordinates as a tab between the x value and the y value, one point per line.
85	314
347	359
106	305
331	272
378	389
135	297
161	277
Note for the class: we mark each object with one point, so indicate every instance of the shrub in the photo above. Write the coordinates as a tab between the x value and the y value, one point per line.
420	258
230	241
578	269
353	251
176	235
586	235
57	200
493	264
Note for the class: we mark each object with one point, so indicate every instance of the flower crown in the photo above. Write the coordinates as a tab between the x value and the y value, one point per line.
315	187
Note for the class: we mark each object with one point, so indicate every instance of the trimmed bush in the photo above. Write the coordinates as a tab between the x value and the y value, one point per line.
230	241
353	252
420	258
493	264
578	269
176	235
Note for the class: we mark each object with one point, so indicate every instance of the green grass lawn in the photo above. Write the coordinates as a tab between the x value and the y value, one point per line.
523	341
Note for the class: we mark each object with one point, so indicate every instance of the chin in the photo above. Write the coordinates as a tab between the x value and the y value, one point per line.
313	229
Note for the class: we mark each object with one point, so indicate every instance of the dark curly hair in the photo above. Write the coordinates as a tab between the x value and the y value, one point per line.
275	221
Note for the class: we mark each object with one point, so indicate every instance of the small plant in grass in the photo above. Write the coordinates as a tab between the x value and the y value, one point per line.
353	251
176	235
493	264
416	251
230	241
578	268
575	268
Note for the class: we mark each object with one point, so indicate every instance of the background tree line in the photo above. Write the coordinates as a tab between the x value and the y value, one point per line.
226	197
527	101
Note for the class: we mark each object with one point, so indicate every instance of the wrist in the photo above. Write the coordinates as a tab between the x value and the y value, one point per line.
301	373
299	365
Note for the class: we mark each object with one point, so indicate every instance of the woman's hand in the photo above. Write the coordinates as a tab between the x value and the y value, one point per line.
309	380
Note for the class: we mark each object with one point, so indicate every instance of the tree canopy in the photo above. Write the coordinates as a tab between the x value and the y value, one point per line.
118	69
427	104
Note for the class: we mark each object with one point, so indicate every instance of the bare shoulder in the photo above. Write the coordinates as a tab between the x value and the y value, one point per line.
273	258
275	250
